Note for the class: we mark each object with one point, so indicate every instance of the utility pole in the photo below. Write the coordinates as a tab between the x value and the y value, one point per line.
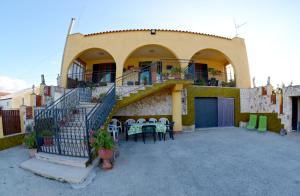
66	42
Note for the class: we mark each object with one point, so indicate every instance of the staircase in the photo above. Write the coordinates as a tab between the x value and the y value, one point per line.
72	133
68	121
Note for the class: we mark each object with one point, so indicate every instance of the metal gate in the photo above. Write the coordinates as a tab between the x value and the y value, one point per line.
11	121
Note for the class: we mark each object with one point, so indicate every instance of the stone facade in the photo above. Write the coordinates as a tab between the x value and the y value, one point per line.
252	101
157	104
121	91
288	93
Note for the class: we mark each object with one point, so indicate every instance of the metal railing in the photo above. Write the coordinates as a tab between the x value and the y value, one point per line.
98	115
60	127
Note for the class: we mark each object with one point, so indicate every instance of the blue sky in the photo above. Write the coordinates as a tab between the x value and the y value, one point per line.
33	32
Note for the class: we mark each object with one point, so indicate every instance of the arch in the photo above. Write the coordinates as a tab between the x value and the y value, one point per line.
215	59
151	45
86	61
145	55
86	50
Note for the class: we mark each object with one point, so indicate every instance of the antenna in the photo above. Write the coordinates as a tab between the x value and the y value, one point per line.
237	27
71	26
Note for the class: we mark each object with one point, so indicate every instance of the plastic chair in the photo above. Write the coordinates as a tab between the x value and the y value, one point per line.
115	131
262	124
129	121
252	121
149	129
152	120
127	125
141	120
164	121
169	130
117	123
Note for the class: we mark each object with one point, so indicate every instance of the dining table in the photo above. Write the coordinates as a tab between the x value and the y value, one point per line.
136	128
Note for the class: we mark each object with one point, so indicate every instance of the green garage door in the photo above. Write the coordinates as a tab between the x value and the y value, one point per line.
206	112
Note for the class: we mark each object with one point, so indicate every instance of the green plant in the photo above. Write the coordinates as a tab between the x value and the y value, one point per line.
46	133
28	128
103	140
145	79
102	83
176	70
214	71
117	97
101	96
29	140
91	85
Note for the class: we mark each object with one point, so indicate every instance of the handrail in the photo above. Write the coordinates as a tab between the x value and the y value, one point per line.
59	99
98	115
100	102
56	102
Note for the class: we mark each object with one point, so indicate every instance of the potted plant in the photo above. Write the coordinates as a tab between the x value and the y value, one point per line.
176	72
145	80
104	145
165	75
214	72
102	83
30	143
48	137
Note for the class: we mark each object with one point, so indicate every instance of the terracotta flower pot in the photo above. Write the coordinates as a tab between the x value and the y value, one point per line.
106	155
48	141
32	152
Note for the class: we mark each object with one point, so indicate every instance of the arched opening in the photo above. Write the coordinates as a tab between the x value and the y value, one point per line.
94	66
213	68
151	62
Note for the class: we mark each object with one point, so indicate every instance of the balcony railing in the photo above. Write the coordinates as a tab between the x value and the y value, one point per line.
149	75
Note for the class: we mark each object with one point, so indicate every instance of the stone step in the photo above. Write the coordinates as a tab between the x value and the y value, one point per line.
75	123
73	127
72	135
66	149
63	160
60	172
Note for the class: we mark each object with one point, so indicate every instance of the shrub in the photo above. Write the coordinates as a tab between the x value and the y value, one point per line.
29	140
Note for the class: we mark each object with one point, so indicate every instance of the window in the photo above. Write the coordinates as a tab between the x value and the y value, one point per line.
229	73
76	71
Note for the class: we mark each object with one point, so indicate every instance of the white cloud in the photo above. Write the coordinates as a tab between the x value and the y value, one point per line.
8	84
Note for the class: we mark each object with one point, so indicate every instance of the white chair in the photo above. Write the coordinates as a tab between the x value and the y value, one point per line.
117	123
164	121
129	121
141	120
115	131
152	120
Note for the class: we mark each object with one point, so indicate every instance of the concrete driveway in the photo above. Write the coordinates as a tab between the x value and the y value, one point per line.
227	161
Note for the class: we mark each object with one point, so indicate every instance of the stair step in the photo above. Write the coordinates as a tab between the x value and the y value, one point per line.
64	160
60	172
66	150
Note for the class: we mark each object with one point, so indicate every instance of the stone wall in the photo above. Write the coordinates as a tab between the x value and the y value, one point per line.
158	104
120	90
288	93
252	101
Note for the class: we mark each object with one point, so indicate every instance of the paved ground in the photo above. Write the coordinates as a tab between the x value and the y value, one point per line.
227	161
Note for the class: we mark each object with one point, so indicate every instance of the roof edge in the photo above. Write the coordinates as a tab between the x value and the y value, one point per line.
162	30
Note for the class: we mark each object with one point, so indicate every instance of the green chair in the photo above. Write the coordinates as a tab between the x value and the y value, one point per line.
252	121
262	124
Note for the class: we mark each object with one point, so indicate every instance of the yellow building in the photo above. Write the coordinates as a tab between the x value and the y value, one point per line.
146	56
